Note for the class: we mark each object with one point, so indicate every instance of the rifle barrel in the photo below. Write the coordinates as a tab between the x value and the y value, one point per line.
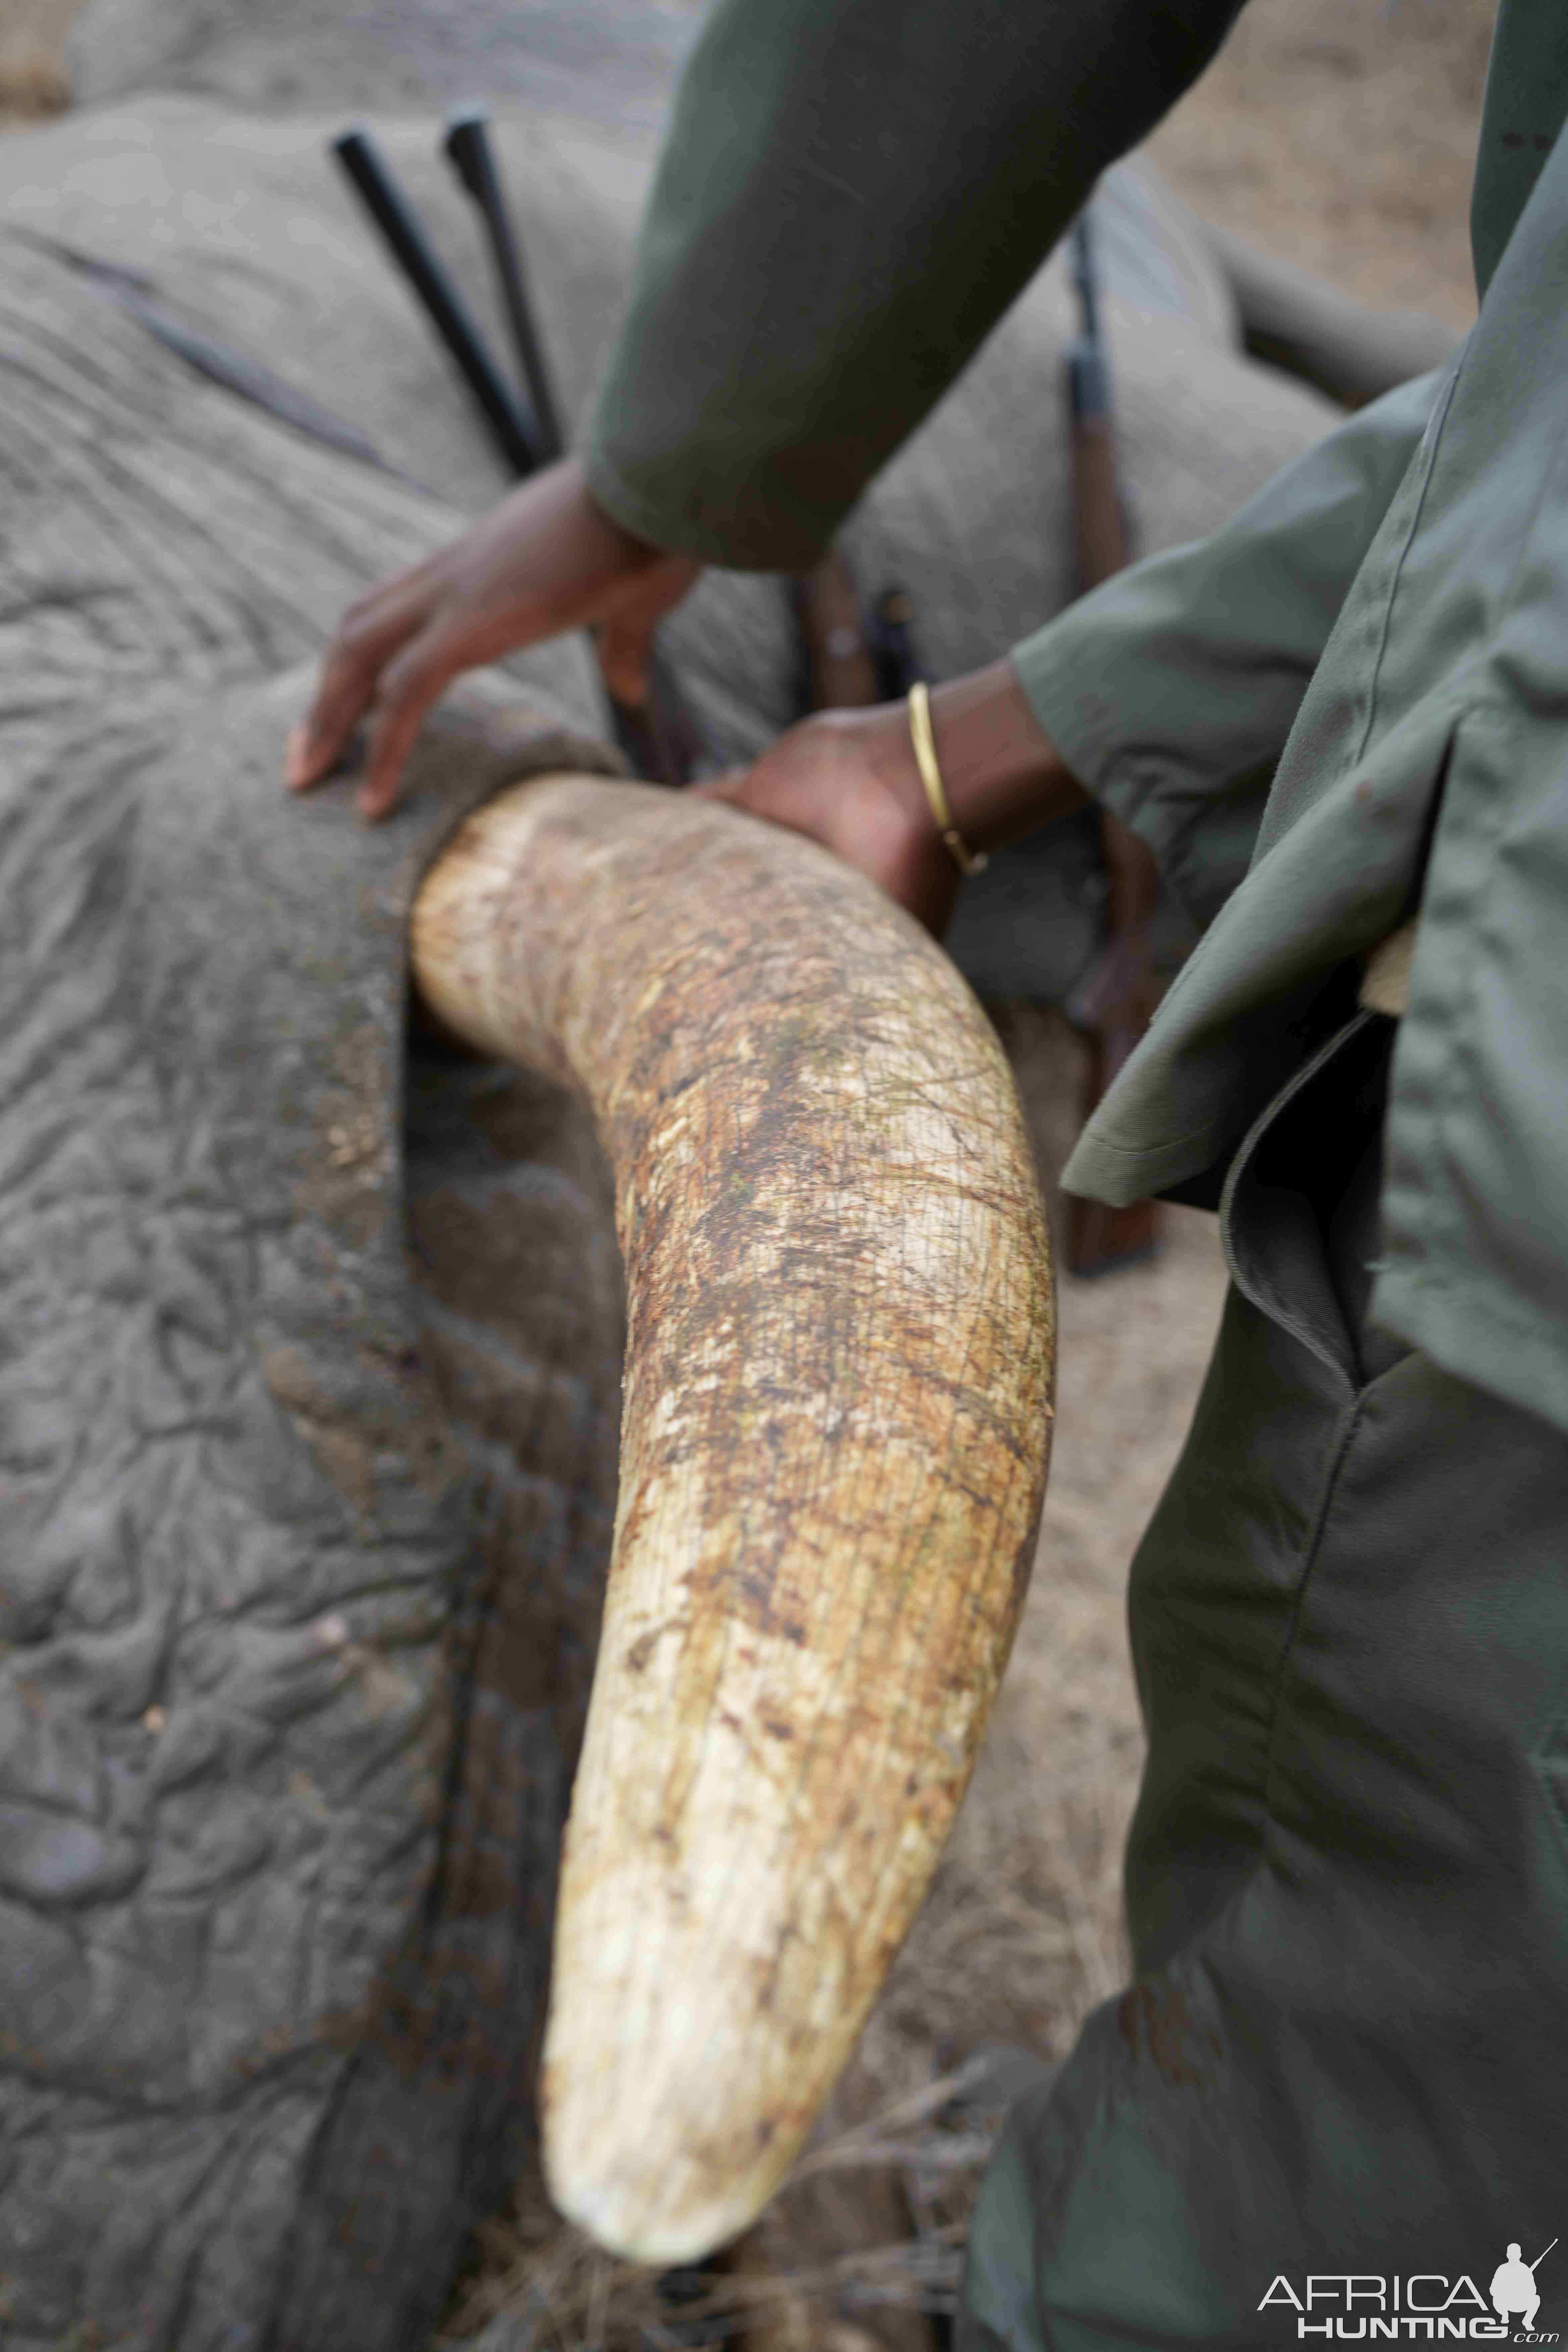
469	150
372	180
1086	275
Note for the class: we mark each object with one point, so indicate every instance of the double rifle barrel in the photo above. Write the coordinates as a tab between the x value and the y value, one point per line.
657	736
369	174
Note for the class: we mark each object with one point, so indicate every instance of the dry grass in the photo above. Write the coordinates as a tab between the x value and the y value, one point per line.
537	2284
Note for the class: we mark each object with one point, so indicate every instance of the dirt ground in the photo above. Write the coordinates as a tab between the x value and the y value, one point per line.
1340	135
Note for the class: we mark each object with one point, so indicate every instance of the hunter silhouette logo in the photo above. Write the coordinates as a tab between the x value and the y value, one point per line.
1513	2290
1359	2307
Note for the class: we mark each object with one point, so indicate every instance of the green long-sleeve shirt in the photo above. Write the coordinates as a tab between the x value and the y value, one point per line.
850	195
1353	696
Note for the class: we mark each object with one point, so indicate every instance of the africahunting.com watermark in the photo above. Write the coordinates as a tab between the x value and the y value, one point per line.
1423	2307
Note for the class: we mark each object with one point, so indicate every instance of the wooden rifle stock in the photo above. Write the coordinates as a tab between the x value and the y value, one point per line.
852	655
1113	1001
839	671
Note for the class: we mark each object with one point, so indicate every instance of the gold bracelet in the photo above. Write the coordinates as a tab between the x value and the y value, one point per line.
967	860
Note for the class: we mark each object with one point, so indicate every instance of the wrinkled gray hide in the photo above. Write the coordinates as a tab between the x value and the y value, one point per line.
307	1412
308	1373
303	1539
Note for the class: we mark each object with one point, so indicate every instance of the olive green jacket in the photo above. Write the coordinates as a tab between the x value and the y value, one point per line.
1351	701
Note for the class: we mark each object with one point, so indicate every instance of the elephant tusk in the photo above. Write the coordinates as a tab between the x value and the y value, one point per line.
835	1435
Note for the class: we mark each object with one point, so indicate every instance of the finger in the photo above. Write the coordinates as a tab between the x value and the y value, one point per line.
625	646
409	686
366	641
626	633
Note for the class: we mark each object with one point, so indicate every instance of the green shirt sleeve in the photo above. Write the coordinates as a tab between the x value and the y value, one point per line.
850	195
1170	691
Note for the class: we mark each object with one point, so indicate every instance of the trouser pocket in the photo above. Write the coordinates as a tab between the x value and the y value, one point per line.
1216	1582
1299	1215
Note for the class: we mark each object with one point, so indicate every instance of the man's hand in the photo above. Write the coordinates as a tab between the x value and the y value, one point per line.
547	559
848	780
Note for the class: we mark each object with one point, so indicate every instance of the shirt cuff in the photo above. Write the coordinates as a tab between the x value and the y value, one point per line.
1079	676
682	522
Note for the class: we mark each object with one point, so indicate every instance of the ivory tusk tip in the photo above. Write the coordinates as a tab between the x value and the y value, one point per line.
662	2165
615	2214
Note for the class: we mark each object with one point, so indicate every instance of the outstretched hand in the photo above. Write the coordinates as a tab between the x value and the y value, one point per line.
848	780
547	559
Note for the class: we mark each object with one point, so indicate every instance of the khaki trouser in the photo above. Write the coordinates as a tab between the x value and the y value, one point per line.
1345	2050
